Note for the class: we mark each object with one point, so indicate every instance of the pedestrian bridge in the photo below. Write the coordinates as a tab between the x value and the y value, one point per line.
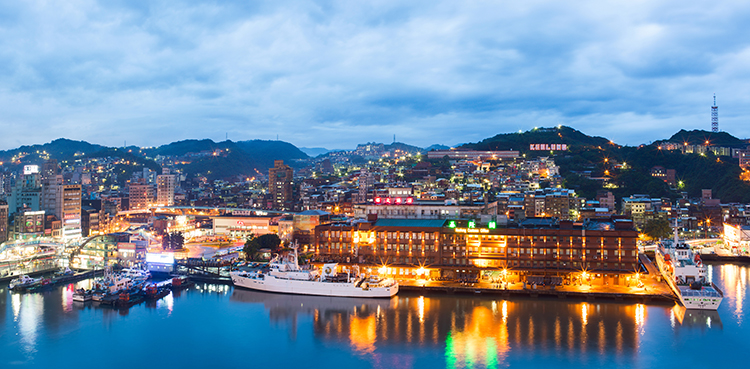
19	244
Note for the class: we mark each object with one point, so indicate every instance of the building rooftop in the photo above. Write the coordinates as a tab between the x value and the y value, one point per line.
416	223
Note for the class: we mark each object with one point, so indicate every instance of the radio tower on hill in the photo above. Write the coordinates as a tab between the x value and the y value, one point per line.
714	117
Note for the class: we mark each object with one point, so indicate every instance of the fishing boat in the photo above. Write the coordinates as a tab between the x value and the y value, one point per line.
284	275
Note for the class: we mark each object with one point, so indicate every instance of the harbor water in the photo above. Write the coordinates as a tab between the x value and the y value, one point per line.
218	326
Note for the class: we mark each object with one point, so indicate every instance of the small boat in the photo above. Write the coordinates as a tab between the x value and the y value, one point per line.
129	298
135	274
24	283
153	292
82	295
181	282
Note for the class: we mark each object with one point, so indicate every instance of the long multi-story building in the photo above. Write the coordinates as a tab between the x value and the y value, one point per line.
604	248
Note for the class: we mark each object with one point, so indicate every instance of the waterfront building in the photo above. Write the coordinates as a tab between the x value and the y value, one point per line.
281	185
737	236
407	208
28	224
461	248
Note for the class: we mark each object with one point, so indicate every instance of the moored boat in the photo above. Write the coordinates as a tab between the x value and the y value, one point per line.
24	283
284	275
685	274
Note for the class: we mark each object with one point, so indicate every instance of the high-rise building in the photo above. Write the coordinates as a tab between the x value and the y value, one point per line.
50	168
366	181
281	185
141	194
165	185
3	221
52	195
71	211
27	192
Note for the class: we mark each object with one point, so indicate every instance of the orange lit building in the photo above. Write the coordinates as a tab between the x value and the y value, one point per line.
464	248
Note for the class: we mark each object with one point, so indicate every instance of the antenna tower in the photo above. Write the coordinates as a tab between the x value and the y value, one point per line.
714	117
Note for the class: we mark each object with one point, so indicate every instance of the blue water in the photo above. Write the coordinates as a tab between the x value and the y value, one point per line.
216	326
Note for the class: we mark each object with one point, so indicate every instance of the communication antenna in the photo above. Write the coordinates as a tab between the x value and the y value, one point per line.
714	116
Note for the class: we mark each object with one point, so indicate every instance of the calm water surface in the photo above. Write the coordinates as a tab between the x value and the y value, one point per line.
217	326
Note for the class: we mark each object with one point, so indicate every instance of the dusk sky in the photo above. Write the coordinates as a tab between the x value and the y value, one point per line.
336	73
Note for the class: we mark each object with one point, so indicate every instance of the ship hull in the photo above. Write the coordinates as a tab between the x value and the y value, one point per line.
298	287
690	299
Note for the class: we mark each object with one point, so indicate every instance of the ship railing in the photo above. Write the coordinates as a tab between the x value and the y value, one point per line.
721	293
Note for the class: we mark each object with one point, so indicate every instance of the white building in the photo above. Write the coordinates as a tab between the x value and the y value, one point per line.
165	185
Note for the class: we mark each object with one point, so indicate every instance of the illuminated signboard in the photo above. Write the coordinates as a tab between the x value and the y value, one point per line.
472	224
452	224
30	169
472	230
159	258
393	201
492	225
548	147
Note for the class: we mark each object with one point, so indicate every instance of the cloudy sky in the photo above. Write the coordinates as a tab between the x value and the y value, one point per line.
336	73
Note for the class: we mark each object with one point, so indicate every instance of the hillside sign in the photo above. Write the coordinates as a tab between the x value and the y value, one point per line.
548	147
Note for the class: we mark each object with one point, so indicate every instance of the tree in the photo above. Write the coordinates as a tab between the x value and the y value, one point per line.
253	245
657	229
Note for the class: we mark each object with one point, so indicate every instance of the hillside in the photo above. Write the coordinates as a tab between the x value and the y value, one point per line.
556	135
264	152
180	148
403	147
60	149
700	137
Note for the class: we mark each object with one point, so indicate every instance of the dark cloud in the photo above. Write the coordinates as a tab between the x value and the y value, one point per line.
336	73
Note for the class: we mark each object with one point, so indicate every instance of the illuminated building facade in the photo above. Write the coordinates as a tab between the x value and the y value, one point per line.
71	211
243	225
141	195
453	248
3	221
165	185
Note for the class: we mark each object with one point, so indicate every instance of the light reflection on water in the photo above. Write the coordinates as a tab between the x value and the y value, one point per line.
406	331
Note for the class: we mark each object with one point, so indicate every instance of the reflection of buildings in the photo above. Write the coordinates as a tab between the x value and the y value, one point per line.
480	332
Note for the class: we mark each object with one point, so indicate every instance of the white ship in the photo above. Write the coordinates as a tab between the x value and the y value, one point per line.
686	275
284	275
